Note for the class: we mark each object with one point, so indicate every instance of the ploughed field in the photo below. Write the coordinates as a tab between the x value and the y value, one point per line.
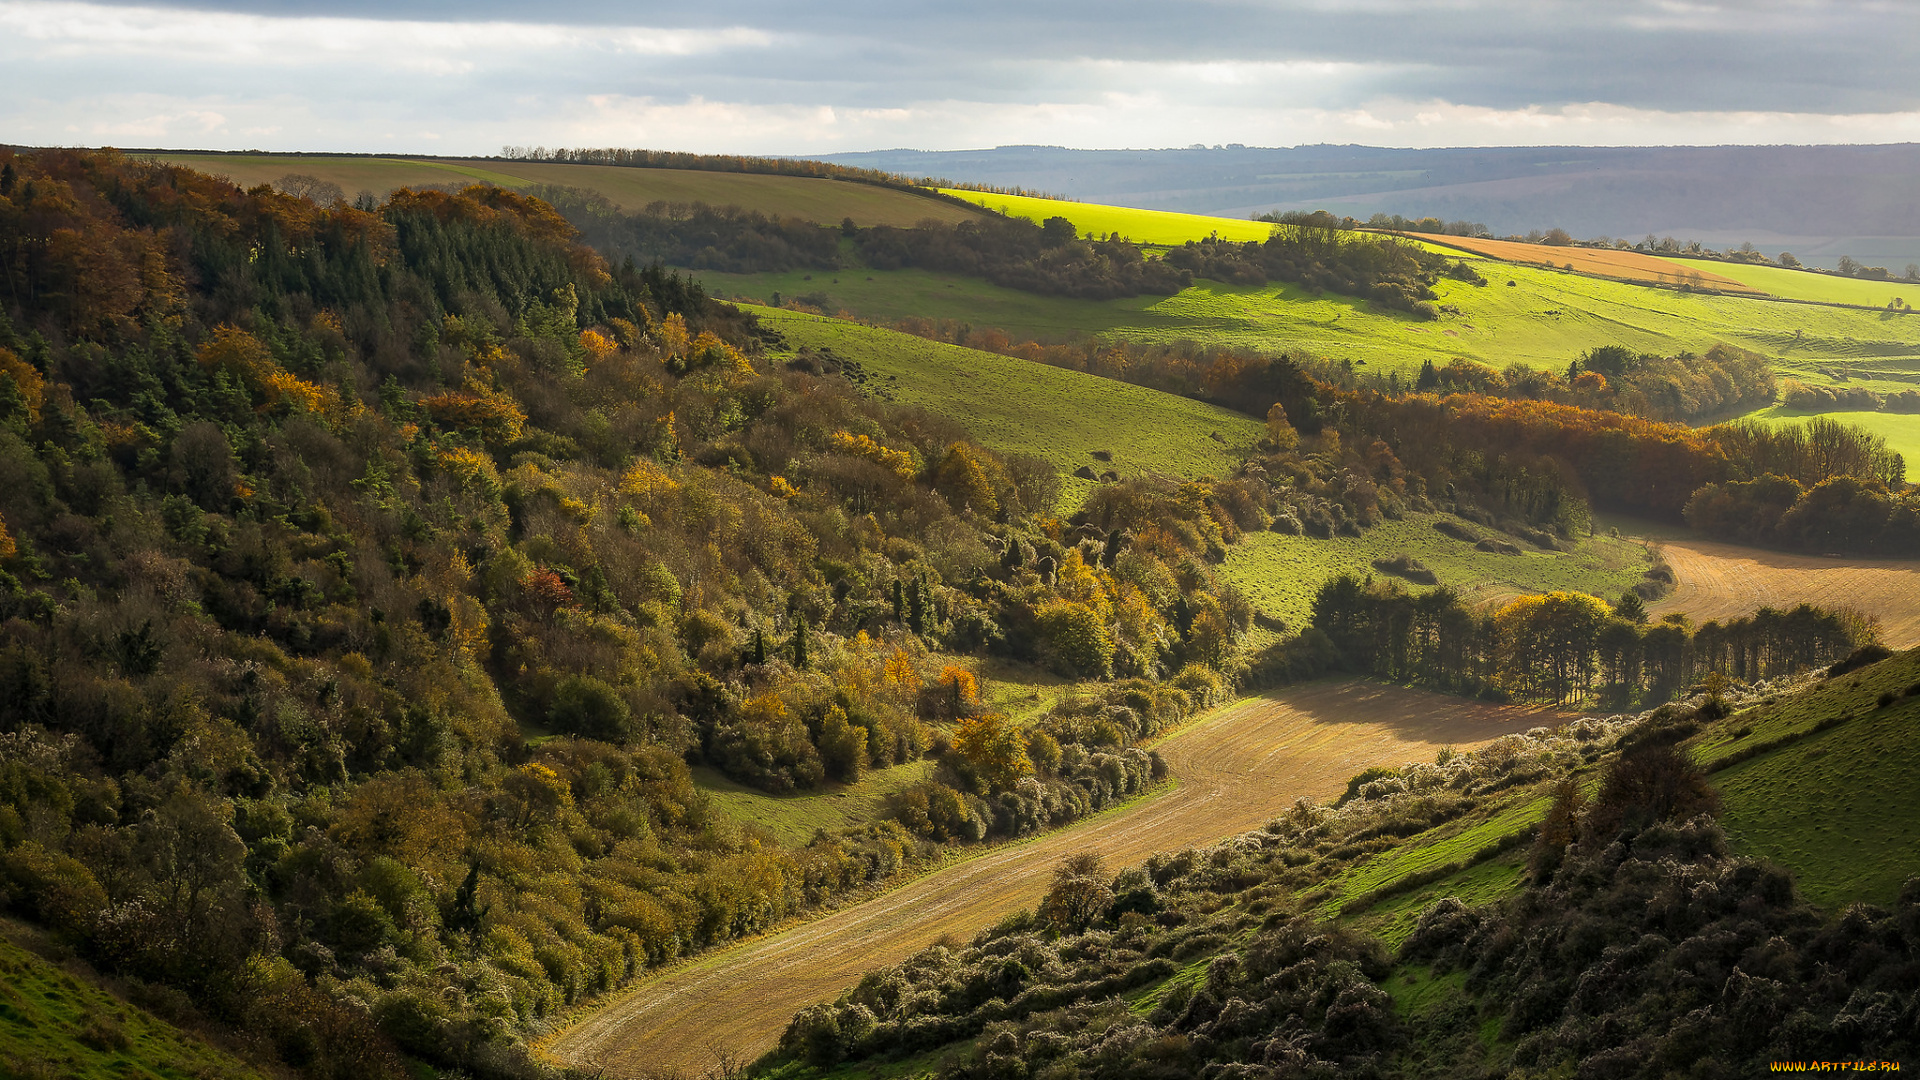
1721	581
1236	770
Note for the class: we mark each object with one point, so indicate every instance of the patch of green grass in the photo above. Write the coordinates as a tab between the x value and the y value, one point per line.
1416	991
1281	574
1901	430
1456	842
1014	406
793	819
1392	920
55	1024
1839	807
1160	227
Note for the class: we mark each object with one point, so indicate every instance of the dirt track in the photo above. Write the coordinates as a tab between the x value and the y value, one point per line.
1236	771
1720	581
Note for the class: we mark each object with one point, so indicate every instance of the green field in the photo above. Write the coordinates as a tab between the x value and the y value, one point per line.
1806	285
1901	430
1017	407
1282	573
1158	227
54	1024
1839	808
793	819
807	198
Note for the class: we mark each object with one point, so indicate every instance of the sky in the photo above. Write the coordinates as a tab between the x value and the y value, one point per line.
765	77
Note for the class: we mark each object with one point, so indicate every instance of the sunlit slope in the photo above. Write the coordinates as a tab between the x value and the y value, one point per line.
1014	406
806	198
1600	262
1806	285
1140	226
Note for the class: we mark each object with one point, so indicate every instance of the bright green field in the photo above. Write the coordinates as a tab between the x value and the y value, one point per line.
53	1024
1805	285
1455	842
1901	430
1839	808
1281	573
1141	226
1014	406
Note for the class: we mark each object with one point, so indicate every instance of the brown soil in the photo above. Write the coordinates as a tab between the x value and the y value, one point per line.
1600	262
1237	770
1721	581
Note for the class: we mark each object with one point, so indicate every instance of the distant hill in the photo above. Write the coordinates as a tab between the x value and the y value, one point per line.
1820	202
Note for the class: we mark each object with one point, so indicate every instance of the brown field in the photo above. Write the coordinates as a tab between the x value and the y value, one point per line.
1600	262
1720	581
1236	769
807	198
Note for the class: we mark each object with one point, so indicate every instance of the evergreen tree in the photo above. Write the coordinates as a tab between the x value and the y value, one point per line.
800	643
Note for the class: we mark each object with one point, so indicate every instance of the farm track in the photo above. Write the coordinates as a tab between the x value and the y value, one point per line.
1237	770
1721	581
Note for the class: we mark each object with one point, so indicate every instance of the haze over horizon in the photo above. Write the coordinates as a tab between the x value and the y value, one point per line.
746	76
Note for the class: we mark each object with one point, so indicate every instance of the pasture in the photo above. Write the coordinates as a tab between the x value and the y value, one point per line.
1806	285
806	198
1901	430
1154	227
1016	407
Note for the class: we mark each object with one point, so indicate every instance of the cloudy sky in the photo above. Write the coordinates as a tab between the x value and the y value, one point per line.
756	76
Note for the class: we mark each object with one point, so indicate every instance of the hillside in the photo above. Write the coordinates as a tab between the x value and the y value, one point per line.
806	198
1657	893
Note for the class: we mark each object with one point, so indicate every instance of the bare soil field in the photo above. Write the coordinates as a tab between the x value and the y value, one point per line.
1236	770
1600	262
1720	581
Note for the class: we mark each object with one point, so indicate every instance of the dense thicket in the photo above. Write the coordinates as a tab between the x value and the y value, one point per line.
1393	273
1560	647
369	578
1634	945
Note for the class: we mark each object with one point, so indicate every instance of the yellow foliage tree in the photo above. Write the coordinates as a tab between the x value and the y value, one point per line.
993	746
497	416
964	481
864	446
31	386
1280	429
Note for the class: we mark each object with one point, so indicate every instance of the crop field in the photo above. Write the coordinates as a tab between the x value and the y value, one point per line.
1236	770
1722	581
1600	262
52	1023
1280	574
807	198
1839	807
1014	406
1154	227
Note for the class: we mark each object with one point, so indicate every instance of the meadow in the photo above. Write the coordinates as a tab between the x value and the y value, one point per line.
1154	227
1016	407
806	198
1811	287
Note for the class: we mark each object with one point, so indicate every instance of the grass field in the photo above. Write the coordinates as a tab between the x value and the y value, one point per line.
1804	285
55	1024
807	198
1156	227
1901	430
1601	262
1282	573
1838	808
1014	406
793	819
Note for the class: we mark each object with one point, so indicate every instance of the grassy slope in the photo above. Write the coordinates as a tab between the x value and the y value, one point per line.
1837	807
1901	430
793	819
788	196
1281	573
53	1024
1014	406
1141	226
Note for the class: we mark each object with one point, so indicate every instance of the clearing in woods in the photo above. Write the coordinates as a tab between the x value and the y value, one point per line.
1722	581
1236	770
